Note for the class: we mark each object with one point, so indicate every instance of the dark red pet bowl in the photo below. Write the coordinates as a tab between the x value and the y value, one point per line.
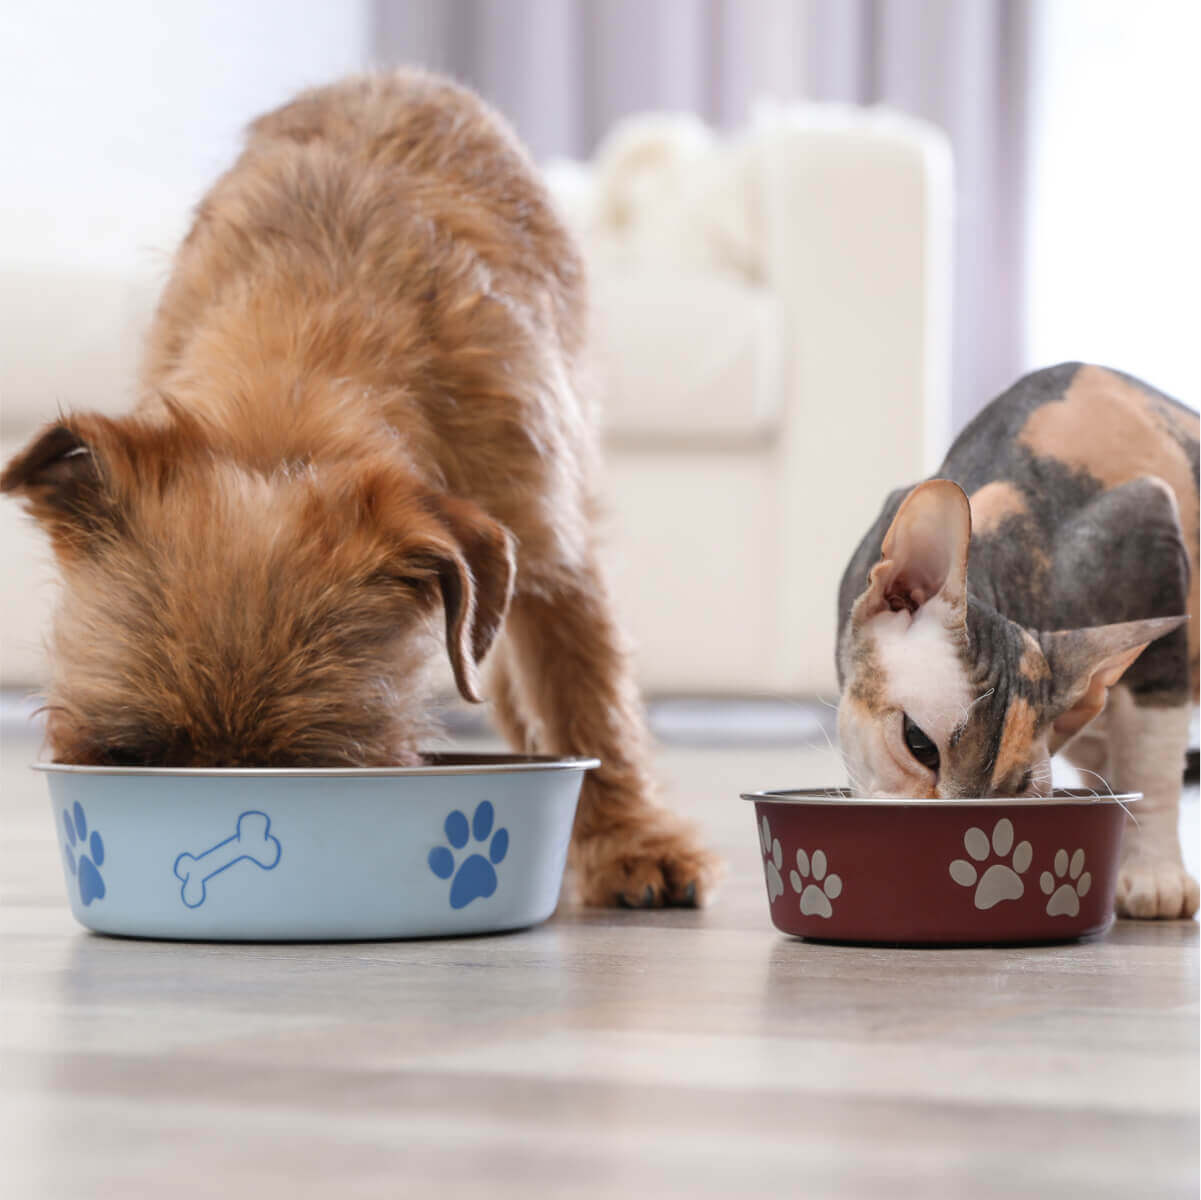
940	872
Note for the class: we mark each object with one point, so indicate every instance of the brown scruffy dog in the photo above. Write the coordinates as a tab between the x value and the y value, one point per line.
361	410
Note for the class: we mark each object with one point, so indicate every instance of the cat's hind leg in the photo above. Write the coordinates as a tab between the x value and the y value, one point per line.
1147	744
1088	752
1125	558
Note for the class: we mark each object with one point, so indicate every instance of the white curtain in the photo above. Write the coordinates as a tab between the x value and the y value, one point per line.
565	70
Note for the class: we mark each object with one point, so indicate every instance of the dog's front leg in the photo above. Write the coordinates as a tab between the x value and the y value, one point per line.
577	685
1147	745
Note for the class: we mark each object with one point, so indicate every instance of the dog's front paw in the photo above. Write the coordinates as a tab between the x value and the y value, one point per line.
649	863
1151	888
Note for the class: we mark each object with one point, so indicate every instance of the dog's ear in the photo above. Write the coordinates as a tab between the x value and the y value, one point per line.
60	478
476	567
78	475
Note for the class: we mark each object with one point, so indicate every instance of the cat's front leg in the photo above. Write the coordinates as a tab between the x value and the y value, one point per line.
1147	747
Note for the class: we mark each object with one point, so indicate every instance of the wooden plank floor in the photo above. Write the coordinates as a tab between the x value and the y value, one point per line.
603	1054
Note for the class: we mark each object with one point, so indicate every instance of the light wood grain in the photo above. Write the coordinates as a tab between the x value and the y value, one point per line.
666	1053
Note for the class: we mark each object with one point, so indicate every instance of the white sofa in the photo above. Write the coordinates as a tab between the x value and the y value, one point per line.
771	317
772	321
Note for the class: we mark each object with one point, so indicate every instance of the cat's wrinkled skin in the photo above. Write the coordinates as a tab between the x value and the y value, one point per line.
1033	598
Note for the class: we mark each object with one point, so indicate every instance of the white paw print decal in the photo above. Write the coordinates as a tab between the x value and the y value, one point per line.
773	860
1065	899
816	896
1002	881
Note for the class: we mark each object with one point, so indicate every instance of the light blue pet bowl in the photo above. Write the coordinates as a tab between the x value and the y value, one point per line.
465	844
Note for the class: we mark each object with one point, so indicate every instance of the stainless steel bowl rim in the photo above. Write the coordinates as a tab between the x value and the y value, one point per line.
440	765
841	797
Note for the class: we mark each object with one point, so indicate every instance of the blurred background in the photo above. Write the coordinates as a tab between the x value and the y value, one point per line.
821	233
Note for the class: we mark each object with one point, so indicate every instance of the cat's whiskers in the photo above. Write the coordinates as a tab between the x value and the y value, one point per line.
967	712
1095	775
1039	779
856	786
1105	782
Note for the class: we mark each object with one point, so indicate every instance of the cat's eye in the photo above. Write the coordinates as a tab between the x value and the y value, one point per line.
919	745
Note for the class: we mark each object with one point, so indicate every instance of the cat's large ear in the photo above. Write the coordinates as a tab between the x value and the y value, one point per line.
1086	663
924	554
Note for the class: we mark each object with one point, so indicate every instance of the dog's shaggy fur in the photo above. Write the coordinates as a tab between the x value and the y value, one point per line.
361	408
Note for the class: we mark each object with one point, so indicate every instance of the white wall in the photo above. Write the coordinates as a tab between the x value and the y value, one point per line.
118	113
1115	247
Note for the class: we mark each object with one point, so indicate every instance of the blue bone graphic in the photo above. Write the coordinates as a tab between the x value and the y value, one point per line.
252	841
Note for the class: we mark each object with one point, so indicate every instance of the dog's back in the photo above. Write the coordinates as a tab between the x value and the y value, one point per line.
373	229
388	231
425	149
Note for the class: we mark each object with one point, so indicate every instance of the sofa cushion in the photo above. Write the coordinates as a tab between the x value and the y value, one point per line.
685	359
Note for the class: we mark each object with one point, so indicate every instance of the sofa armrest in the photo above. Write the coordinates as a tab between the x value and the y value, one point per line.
857	221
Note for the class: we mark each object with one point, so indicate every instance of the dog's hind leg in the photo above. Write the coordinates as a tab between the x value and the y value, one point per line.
577	680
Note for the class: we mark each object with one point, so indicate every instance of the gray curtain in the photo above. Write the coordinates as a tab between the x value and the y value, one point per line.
564	70
964	66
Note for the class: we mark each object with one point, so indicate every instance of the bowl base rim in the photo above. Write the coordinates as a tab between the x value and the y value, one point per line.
1017	941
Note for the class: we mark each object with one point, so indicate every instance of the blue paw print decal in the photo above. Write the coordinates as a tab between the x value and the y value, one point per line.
475	878
91	854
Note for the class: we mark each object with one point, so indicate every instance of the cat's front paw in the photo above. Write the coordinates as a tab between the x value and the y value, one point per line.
1150	888
647	863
